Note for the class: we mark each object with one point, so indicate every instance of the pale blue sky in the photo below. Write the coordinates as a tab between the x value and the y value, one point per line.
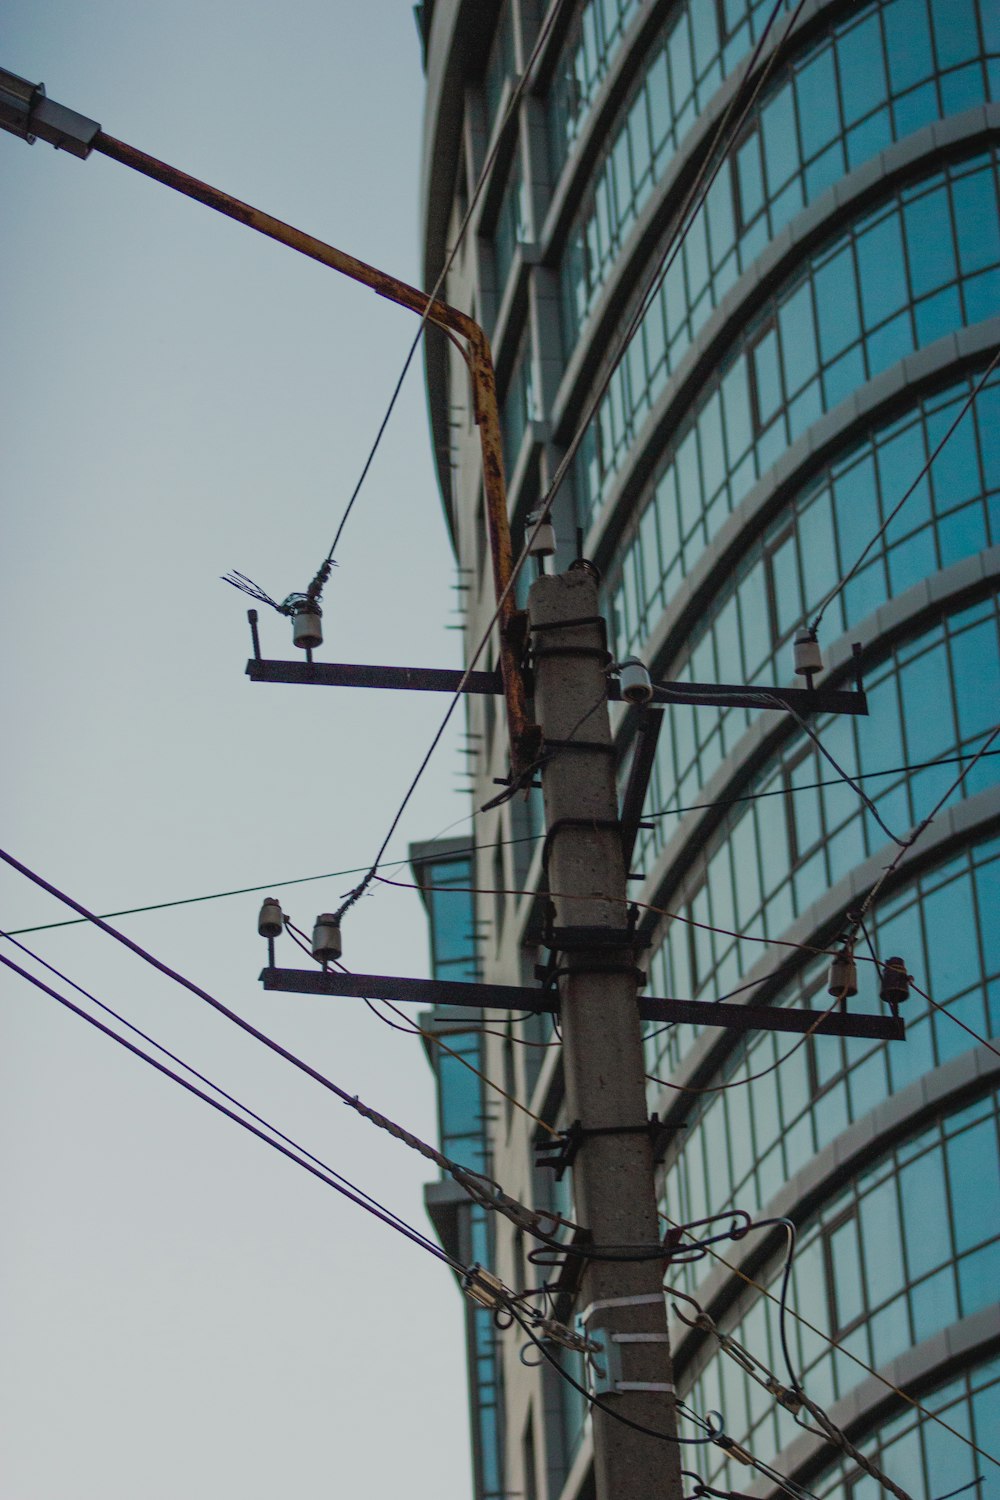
182	1312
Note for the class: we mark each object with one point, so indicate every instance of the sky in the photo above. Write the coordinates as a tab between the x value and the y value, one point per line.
182	1311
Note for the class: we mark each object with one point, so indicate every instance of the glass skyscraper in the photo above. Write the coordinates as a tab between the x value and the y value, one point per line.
835	302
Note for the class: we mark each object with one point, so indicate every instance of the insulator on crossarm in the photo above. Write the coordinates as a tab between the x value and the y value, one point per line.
636	686
894	988
808	657
307	628
326	944
541	535
842	980
270	921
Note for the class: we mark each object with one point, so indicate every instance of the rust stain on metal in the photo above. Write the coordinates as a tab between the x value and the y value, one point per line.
524	737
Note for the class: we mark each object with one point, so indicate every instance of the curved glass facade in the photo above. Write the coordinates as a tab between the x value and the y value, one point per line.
784	574
854	222
883	71
894	1258
743	1143
835	324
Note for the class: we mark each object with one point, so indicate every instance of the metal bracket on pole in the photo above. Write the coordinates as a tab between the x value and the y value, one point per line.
475	996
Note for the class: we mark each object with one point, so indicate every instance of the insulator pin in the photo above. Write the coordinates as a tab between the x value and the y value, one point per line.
326	945
842	980
808	657
635	681
270	921
895	986
541	537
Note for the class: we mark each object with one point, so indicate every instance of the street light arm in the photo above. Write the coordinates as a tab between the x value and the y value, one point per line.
25	112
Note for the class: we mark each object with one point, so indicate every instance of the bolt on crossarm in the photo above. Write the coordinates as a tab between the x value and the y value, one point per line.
26	112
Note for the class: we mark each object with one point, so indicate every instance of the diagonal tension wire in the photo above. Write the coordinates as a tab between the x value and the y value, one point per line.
706	175
351	1100
320	1171
675	241
922	826
315	589
925	470
528	838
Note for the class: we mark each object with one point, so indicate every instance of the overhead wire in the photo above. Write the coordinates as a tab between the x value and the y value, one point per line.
842	1349
434	1038
923	825
735	1083
712	162
352	1101
842	583
527	838
320	1170
677	237
315	589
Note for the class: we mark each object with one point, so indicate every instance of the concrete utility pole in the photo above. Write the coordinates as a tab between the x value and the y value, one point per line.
613	1180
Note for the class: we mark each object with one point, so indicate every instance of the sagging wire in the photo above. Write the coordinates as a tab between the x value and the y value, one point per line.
313	594
541	1344
921	828
808	730
793	1398
839	1348
735	1083
434	1037
543	514
925	470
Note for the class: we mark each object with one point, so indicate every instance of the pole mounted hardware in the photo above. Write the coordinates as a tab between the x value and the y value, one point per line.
513	997
27	113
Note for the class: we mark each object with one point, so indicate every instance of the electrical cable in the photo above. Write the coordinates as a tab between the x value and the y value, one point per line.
137	1031
810	786
958	1022
432	1036
351	1193
352	1101
890	869
528	838
595	1401
315	589
843	582
677	236
735	1083
840	1348
358	891
808	730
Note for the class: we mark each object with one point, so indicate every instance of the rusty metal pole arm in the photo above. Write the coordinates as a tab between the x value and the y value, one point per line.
26	112
525	738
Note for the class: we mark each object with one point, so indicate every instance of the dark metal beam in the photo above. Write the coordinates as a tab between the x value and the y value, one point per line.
735	695
447	680
647	734
342	674
516	997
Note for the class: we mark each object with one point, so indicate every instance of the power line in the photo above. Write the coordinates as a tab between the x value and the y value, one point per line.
350	1192
527	838
922	826
845	580
809	786
679	235
841	1348
352	1101
315	589
676	239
